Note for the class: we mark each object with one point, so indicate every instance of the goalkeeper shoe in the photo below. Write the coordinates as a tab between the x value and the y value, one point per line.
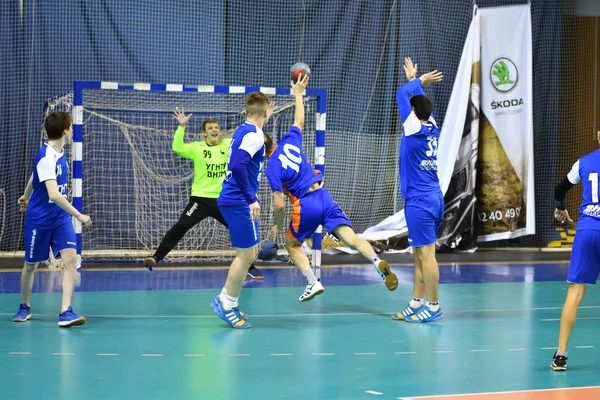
312	291
150	262
230	315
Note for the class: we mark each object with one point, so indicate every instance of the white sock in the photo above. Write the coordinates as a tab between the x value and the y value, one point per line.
433	306
309	275
223	292
374	259
416	302
228	301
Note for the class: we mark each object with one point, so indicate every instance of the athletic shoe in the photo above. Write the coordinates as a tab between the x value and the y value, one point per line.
559	363
312	291
426	315
150	262
23	314
407	313
390	279
255	273
230	315
69	318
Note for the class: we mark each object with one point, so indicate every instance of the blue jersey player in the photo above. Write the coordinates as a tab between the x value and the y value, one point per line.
48	219
289	172
585	254
424	202
239	205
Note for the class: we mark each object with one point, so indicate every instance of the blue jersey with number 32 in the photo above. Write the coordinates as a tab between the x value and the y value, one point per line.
418	147
586	171
288	169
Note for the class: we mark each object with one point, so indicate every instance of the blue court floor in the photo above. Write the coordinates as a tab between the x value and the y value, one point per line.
153	335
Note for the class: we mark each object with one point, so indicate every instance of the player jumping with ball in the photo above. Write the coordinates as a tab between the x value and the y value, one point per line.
289	172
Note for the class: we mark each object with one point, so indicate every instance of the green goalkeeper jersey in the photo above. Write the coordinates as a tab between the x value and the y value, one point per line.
210	163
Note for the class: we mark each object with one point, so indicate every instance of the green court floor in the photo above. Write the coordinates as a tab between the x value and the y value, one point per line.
168	344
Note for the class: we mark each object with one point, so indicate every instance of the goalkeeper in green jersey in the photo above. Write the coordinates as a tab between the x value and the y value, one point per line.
210	167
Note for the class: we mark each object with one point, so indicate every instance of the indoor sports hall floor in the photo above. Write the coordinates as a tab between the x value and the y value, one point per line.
153	335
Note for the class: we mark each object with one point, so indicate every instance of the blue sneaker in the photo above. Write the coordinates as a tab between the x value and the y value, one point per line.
69	318
232	316
407	313
426	315
255	273
23	314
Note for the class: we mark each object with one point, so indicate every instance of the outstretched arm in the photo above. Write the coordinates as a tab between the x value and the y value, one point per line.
298	90
179	147
413	87
403	96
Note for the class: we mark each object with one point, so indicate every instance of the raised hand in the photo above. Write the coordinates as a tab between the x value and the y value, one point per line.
181	117
299	87
431	77
409	69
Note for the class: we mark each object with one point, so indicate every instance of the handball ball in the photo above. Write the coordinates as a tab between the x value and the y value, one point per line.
298	70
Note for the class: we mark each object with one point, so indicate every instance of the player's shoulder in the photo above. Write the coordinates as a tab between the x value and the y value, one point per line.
412	124
47	152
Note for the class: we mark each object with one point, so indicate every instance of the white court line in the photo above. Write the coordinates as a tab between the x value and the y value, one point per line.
558	319
107	354
63	354
152	355
238	355
516	349
365	354
480	351
281	354
549	348
194	355
405	352
121	316
373	392
323	354
490	393
584	347
19	353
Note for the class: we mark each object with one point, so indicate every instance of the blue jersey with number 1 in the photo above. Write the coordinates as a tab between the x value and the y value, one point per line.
586	170
418	147
288	169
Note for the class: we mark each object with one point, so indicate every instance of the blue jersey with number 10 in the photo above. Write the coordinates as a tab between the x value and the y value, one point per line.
288	169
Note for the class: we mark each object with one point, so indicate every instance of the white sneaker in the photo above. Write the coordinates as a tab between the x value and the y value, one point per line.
311	291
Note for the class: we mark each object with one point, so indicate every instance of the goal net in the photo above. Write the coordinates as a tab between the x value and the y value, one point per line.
135	187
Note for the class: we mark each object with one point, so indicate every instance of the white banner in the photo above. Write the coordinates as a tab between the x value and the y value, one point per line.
454	153
505	190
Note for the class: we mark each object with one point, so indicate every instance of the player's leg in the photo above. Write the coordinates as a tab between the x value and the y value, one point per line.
64	241
347	235
37	243
27	278
194	212
244	238
336	222
584	268
253	272
423	218
313	286
307	215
